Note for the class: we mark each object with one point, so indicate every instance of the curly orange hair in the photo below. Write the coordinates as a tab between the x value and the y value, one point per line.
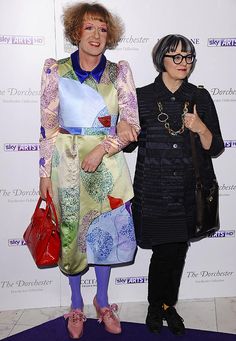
73	20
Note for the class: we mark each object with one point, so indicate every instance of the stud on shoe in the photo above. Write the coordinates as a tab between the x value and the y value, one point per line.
75	323
108	315
174	321
154	320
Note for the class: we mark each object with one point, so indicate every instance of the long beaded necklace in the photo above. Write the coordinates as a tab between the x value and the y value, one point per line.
163	118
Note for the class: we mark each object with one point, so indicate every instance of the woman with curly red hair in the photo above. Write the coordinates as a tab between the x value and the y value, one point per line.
82	165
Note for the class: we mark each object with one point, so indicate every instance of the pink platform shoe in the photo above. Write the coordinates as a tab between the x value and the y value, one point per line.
75	325
108	315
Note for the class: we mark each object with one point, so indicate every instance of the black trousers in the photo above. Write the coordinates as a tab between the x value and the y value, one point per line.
165	271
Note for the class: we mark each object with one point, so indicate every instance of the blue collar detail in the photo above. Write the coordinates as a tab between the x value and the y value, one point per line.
82	74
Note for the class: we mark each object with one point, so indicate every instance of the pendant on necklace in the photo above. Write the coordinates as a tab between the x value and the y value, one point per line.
163	118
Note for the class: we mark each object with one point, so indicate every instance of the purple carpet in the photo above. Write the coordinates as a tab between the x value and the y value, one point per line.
55	330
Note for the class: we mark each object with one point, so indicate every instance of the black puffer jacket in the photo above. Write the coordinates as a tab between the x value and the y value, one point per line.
164	205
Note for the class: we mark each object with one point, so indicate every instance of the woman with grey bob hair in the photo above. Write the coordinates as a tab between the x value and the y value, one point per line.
169	44
164	207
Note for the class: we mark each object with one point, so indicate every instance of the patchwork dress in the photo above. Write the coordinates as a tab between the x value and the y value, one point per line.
93	209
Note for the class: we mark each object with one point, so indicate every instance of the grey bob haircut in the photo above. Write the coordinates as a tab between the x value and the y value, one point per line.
167	44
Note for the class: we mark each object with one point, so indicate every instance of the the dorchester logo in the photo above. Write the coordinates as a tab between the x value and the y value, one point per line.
19	195
223	94
227	189
22	286
134	40
206	274
15	95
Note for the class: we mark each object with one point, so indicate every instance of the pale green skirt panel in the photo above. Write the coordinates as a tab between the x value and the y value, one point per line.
80	197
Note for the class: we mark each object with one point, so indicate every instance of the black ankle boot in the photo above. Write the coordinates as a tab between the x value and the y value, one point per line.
154	319
174	321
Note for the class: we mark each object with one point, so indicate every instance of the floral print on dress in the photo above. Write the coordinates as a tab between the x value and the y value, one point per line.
126	231
69	204
87	220
48	123
99	183
55	158
90	81
49	88
46	151
110	75
101	243
123	69
118	74
90	232
114	245
127	113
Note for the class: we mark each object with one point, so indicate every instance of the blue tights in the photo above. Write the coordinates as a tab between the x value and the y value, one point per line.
102	275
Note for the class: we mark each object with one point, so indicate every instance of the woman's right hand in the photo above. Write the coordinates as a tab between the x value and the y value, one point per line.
45	185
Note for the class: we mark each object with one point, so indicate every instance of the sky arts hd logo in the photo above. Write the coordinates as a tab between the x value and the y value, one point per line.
223	234
222	42
21	147
21	40
16	242
230	143
131	280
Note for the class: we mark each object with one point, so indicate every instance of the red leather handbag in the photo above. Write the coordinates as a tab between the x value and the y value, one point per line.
42	235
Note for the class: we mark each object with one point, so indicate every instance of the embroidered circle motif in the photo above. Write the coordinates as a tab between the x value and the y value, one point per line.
101	243
99	183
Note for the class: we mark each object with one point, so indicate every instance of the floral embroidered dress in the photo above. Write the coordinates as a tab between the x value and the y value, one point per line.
79	110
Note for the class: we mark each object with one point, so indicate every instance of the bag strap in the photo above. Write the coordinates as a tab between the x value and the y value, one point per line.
50	205
195	159
193	143
49	208
38	204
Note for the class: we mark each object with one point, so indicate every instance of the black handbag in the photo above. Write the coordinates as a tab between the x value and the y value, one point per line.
207	201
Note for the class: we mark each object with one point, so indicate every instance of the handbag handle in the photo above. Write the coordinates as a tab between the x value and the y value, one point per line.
49	207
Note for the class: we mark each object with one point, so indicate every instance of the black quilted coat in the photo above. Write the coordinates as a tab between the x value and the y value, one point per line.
164	205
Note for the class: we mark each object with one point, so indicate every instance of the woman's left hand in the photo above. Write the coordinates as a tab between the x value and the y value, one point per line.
93	159
193	122
126	132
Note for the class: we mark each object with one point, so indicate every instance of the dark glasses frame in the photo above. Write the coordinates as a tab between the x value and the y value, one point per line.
178	58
